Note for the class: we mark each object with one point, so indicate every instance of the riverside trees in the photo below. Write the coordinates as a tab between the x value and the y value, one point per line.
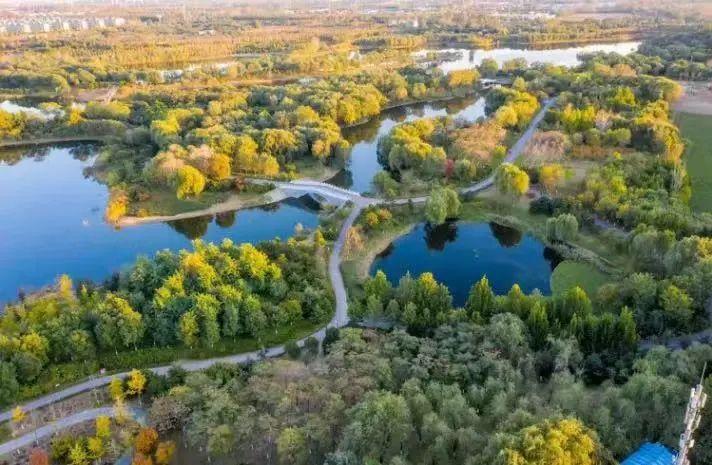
214	293
187	140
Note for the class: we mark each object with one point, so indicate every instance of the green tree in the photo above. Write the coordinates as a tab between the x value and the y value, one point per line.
292	447
563	228
443	203
481	300
118	326
188	329
511	180
677	306
627	334
538	324
378	427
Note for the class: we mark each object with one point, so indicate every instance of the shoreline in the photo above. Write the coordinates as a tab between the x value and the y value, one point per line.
8	144
234	203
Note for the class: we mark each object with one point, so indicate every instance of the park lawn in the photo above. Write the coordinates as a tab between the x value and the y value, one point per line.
164	202
697	130
569	274
315	170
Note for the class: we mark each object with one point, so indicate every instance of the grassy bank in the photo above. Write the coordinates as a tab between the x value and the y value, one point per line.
596	248
698	157
569	274
356	266
592	258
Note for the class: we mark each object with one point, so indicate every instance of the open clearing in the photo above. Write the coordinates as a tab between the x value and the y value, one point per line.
697	130
569	274
696	99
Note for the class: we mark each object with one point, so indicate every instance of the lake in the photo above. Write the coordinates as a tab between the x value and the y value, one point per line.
53	222
363	164
460	253
565	56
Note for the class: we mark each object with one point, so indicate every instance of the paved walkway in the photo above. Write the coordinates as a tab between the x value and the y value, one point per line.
51	428
340	318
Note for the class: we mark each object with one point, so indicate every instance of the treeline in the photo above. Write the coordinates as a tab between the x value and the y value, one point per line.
214	294
680	55
421	304
157	54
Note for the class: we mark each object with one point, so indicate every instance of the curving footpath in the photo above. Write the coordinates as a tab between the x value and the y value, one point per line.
339	319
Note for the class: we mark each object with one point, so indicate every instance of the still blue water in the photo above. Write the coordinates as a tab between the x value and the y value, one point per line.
363	164
459	254
560	56
52	223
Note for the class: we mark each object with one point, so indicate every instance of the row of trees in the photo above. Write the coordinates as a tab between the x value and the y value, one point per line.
422	304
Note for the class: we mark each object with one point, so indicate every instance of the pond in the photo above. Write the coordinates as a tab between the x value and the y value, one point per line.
565	56
53	222
363	164
460	253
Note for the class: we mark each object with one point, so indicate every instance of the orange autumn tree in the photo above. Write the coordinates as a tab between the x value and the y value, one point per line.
149	451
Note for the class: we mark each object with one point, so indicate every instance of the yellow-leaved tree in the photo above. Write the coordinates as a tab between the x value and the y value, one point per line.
562	442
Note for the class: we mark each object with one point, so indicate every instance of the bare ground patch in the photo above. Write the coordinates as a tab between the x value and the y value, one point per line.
546	147
696	98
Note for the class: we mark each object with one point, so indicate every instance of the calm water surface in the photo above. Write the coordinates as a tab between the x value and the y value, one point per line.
459	254
363	163
52	223
565	56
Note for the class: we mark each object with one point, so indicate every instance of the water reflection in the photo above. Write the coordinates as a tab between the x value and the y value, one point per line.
225	219
363	163
564	56
192	228
54	222
437	236
459	253
506	236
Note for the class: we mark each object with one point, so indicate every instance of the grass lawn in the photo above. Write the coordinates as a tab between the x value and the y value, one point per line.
569	274
165	202
315	170
697	129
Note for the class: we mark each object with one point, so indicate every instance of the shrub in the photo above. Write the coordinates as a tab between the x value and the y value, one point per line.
293	350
